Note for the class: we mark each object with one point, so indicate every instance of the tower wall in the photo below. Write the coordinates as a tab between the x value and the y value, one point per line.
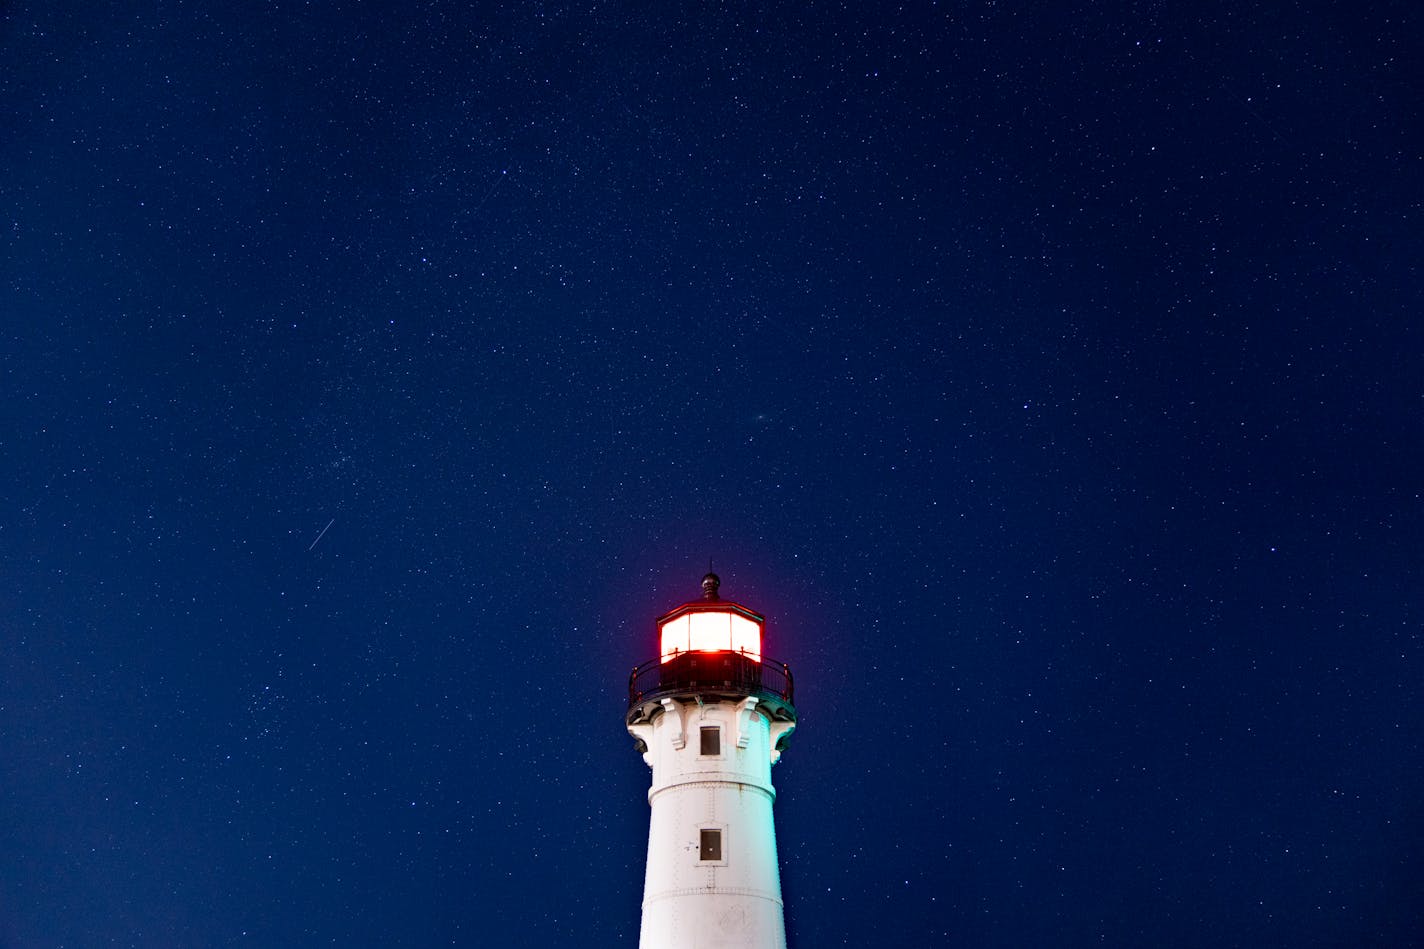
695	897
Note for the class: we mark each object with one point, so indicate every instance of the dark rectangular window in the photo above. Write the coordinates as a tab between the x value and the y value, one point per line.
711	845
712	741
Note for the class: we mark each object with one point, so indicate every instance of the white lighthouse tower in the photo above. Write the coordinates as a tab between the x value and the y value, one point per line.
711	717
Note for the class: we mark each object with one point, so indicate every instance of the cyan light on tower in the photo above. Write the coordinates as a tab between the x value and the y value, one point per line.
711	716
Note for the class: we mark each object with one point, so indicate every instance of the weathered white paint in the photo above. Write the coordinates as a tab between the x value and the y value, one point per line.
688	902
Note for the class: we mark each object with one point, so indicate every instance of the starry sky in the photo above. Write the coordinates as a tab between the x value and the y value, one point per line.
1050	375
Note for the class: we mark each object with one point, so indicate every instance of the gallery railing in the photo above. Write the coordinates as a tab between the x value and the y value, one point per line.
712	672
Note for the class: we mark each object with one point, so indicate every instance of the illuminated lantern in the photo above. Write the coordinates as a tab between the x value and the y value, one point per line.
710	625
711	715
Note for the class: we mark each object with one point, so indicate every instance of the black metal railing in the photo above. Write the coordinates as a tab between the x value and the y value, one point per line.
723	671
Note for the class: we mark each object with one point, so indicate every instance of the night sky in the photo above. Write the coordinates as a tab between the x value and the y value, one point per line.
1051	376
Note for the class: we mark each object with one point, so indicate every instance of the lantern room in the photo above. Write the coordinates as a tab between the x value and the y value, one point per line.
710	625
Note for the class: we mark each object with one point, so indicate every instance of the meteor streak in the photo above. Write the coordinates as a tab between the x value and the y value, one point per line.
321	535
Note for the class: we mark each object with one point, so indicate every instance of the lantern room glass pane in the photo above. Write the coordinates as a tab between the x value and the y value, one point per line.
711	632
746	637
675	638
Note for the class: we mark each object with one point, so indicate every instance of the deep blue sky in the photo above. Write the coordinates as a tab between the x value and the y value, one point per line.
1050	376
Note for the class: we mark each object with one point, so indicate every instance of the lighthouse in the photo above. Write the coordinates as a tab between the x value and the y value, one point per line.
711	715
